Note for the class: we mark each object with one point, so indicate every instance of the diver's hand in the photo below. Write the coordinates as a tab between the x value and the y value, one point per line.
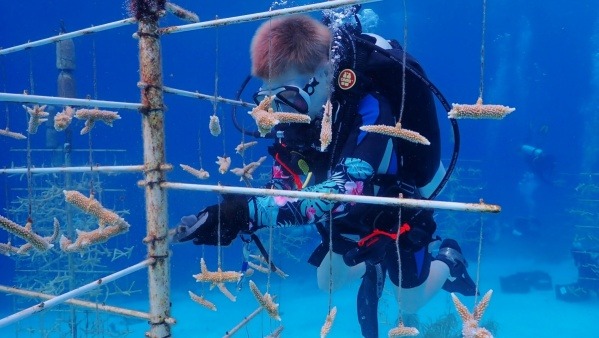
188	228
204	228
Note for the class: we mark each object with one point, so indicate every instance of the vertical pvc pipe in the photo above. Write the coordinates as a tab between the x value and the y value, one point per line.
154	157
66	87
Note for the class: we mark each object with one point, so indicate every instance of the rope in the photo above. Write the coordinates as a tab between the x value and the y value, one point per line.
403	63
482	49
480	249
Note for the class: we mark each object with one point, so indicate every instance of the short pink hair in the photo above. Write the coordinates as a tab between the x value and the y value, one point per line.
296	41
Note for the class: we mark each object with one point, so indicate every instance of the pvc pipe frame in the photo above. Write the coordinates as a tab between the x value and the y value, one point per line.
73	293
82	303
263	15
67	36
102	169
403	202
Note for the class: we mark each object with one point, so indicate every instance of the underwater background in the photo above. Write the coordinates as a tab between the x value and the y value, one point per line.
540	57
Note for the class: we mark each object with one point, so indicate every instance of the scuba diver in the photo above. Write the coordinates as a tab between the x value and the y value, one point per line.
293	57
540	163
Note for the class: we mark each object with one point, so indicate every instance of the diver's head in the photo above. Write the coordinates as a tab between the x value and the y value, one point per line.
291	56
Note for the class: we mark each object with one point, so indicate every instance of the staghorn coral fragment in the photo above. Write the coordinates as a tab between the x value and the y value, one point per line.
398	132
240	149
247	171
37	117
292	117
110	224
24	249
223	164
479	111
63	119
201	174
326	327
181	12
326	132
265	301
214	125
470	328
264	116
215	277
202	301
7	249
403	331
26	233
218	278
92	115
12	134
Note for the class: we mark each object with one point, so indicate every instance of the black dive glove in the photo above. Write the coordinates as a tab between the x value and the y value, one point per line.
203	228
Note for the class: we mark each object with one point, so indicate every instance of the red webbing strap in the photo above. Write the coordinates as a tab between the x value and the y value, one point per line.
296	178
393	235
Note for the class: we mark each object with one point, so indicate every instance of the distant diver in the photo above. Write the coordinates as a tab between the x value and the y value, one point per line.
541	164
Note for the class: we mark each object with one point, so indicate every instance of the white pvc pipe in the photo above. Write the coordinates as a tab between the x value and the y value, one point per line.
210	98
72	294
65	101
262	15
404	202
102	169
82	303
69	35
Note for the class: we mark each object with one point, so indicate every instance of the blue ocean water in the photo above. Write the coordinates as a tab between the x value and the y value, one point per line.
541	58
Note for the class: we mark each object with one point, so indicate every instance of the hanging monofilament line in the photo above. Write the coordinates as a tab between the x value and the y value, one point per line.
480	250
200	147
397	234
29	175
403	61
330	259
218	245
482	50
89	134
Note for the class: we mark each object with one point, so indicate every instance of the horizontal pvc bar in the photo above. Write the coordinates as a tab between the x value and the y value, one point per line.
210	98
65	101
82	303
73	293
262	15
102	169
404	202
66	36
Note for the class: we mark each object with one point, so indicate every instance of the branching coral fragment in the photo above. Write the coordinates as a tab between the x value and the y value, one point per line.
25	233
265	301
240	149
110	224
326	132
214	125
223	164
202	301
326	327
403	331
63	119
12	134
264	116
92	115
218	278
247	171
397	131
470	328
201	174
37	117
479	111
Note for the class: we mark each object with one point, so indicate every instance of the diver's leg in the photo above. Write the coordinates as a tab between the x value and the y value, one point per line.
413	299
369	294
334	267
